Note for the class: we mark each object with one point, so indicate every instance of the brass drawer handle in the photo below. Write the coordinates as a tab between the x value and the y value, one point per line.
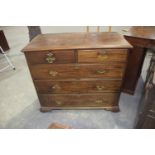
100	101
53	73
100	87
50	58
101	71
102	55
103	51
56	87
153	117
58	102
153	111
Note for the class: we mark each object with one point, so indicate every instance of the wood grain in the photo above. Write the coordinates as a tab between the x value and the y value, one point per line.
81	40
62	56
143	32
77	71
85	86
102	55
83	100
133	71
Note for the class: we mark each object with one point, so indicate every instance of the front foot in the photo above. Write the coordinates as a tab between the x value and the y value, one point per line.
113	109
45	109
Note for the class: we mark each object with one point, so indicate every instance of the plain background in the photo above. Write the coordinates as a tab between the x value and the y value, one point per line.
77	13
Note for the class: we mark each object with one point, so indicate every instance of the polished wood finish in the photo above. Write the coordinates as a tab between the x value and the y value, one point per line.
3	41
77	86
141	38
144	32
78	70
71	41
102	55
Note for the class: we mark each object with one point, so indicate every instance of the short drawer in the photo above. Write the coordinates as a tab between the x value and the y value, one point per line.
85	86
80	100
66	71
50	57
102	55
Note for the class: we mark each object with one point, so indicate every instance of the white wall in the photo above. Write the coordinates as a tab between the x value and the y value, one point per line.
63	29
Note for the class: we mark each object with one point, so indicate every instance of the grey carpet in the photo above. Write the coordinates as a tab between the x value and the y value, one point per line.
32	118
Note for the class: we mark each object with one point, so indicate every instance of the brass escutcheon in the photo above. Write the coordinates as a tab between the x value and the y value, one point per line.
50	58
100	101
56	86
100	87
102	55
101	71
58	102
53	73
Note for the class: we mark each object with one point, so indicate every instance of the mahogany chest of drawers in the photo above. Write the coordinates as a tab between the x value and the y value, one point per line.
78	70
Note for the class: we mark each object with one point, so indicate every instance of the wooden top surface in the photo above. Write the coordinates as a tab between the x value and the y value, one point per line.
77	41
146	32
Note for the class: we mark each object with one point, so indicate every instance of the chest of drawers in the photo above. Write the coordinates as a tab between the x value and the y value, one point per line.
78	70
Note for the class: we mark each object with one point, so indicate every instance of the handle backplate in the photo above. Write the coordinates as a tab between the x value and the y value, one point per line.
50	58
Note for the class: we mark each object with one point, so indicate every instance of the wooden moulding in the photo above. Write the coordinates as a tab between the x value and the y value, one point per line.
48	109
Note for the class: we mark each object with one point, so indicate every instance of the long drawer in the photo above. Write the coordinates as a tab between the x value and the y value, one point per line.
85	86
76	100
51	57
77	71
102	55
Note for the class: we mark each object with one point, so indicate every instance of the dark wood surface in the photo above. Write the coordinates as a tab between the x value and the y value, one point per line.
146	112
77	86
144	32
141	38
77	71
81	100
72	71
133	70
3	41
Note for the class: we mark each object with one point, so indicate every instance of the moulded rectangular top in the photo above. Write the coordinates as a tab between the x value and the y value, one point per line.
82	40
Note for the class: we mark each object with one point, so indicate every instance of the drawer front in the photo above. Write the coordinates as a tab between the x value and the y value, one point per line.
50	57
86	86
149	122
55	72
82	100
102	55
152	108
